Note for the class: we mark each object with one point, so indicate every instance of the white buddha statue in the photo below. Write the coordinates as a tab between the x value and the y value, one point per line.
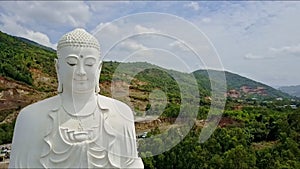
78	128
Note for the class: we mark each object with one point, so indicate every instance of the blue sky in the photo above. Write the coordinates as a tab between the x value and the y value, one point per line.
260	40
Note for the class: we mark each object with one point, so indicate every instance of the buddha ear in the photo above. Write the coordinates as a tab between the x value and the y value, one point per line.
56	65
100	66
97	88
60	85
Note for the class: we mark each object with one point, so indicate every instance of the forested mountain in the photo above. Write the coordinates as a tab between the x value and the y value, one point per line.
292	90
19	58
251	134
22	60
35	44
236	82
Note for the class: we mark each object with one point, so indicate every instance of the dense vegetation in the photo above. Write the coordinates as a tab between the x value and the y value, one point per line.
235	81
261	135
18	57
262	138
6	132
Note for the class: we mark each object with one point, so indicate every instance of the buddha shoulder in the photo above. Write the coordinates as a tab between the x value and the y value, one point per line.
115	107
39	109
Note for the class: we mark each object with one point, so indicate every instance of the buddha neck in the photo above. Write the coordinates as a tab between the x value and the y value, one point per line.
79	104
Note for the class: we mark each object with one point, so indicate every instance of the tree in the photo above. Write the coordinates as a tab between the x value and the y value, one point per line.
239	158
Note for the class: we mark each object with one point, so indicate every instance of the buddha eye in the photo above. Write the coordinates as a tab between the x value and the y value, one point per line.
90	61
72	61
72	64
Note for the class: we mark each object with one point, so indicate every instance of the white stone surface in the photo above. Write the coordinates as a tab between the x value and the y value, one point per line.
78	128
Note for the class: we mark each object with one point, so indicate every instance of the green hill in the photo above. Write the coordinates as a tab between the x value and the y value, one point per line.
29	73
18	58
291	90
30	64
236	82
27	62
36	44
258	135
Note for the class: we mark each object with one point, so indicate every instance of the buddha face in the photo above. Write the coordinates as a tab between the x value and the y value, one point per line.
78	69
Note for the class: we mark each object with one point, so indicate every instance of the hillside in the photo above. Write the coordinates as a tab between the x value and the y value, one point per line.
291	90
35	44
26	62
245	87
260	133
28	75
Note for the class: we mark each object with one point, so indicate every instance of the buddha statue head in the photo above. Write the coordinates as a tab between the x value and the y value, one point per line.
79	64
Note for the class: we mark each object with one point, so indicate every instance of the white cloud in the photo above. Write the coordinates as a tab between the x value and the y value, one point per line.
131	45
39	20
47	13
164	31
11	27
206	20
194	5
287	50
180	45
242	32
143	29
39	37
251	56
111	28
272	53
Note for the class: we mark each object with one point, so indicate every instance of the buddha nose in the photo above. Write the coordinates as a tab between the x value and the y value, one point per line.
81	71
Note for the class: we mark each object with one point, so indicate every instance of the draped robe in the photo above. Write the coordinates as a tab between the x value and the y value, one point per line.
40	141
